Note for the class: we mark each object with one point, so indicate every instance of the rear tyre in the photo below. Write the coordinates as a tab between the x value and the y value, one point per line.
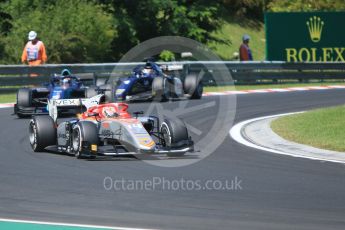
160	89
175	135
84	134
193	86
24	99
42	133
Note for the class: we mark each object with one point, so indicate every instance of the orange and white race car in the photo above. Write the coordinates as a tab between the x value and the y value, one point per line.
107	129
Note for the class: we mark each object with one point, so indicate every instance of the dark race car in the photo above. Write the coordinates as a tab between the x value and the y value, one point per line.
107	130
150	82
31	101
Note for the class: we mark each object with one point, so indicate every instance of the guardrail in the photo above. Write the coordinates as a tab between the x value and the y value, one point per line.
230	65
17	75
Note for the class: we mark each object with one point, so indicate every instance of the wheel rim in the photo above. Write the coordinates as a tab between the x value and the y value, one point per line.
76	142
166	135
33	135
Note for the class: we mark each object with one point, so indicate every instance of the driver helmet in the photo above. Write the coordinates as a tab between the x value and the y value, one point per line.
66	81
66	72
148	69
110	112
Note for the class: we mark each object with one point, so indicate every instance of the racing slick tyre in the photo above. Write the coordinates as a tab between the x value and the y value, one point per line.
101	81
42	132
24	98
193	86
91	92
175	135
109	92
159	89
84	134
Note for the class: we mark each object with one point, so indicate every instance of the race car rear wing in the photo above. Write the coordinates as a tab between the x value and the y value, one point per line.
171	67
55	104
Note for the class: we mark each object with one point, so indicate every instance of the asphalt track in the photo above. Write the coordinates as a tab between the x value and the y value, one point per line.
278	192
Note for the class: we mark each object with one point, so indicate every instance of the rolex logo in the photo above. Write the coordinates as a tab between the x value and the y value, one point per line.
315	28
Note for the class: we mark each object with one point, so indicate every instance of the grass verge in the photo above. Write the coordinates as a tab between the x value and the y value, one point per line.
234	30
7	98
322	128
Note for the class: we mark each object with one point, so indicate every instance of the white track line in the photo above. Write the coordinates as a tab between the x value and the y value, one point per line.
236	134
318	87
6	105
337	86
68	224
280	90
299	88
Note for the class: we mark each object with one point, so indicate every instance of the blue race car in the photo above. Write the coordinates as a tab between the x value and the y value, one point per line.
150	82
33	101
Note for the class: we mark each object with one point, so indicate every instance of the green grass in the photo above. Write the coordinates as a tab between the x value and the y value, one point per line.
234	30
322	128
7	98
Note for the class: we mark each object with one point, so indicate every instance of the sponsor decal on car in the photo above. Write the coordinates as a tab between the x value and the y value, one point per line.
67	102
146	141
137	128
120	91
107	133
42	90
106	125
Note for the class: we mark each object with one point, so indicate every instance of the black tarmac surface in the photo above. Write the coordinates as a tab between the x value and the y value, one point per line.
273	192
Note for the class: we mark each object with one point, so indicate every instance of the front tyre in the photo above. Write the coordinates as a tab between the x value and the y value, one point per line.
42	133
175	135
84	134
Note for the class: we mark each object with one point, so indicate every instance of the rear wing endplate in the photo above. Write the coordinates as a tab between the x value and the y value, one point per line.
55	104
171	67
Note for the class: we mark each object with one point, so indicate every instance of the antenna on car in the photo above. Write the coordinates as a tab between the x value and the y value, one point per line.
137	113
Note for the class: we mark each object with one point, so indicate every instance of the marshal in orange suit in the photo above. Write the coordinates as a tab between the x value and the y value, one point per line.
34	52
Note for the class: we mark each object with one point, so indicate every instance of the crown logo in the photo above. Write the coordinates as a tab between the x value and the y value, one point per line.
315	28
